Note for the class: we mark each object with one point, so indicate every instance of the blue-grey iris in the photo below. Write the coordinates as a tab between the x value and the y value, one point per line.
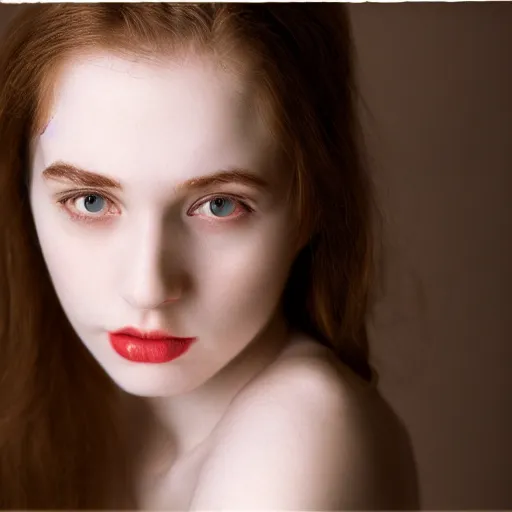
94	203
218	207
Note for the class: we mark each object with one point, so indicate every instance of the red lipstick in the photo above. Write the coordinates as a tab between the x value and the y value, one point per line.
149	346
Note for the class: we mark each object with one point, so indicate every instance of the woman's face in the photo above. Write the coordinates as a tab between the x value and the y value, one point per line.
131	240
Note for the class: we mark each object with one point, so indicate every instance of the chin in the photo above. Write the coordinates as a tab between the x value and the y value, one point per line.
152	381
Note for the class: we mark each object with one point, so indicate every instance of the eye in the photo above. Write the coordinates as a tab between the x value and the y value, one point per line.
88	206
92	203
222	207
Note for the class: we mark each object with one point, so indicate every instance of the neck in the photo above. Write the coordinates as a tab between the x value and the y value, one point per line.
178	425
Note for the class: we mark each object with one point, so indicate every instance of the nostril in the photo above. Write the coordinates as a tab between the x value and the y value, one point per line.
170	300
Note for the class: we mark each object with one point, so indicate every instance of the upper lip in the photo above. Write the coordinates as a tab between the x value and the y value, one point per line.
147	335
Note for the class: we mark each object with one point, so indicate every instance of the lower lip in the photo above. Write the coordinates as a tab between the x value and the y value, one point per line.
141	350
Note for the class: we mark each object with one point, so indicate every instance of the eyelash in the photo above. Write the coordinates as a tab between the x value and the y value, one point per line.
80	217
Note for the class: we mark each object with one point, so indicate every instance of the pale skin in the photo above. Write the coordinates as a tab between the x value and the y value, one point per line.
254	415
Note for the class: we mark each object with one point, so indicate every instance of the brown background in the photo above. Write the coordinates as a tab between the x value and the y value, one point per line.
437	83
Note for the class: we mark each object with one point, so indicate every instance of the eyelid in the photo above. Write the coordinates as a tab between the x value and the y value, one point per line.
68	194
76	215
79	192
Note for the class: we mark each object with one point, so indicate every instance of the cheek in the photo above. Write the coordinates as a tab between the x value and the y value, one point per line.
76	266
76	279
246	278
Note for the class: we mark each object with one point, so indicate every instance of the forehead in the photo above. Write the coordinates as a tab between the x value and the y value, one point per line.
111	113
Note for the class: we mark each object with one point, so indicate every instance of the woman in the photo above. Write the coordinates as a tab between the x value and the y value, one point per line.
186	264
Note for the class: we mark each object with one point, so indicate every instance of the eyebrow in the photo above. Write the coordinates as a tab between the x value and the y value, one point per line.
65	171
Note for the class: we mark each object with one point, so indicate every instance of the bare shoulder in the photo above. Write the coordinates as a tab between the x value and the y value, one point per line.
308	434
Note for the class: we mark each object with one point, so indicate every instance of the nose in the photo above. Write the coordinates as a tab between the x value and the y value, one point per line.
151	277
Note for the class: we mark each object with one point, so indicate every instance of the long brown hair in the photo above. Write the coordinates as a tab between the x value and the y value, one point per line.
58	416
